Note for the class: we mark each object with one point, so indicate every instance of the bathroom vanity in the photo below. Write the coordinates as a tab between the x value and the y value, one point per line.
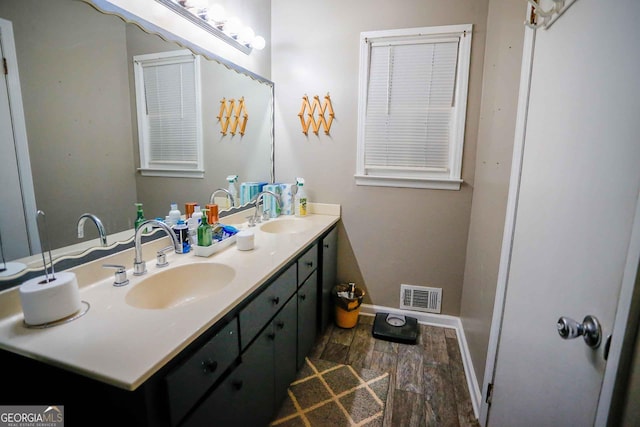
214	357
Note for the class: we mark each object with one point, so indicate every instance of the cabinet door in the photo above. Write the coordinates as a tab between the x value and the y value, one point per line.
329	252
246	396
307	316
285	327
190	380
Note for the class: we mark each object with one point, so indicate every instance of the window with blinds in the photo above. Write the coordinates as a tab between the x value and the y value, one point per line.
412	105
169	114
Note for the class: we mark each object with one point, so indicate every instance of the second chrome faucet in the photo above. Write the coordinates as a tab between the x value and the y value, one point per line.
139	265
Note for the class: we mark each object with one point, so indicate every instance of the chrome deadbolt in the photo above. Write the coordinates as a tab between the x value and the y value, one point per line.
589	329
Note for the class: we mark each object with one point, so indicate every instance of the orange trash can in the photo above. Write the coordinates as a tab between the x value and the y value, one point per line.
347	299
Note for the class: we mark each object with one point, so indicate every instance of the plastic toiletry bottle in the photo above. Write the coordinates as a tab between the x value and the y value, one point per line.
174	214
140	218
301	199
205	235
197	213
182	233
233	179
193	223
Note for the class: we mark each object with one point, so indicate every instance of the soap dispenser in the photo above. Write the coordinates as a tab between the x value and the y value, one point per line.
205	233
140	215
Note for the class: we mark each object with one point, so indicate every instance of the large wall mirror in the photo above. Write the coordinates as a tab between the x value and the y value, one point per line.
76	77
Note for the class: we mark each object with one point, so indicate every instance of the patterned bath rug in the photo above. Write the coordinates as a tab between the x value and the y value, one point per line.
331	394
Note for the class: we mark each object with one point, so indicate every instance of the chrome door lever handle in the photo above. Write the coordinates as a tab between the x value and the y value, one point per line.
589	329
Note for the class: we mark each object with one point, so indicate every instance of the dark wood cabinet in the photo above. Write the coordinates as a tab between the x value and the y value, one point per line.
328	277
234	374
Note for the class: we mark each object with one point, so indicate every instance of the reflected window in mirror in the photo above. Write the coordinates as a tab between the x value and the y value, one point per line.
169	113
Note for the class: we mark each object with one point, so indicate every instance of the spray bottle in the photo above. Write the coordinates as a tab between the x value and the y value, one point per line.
233	190
300	198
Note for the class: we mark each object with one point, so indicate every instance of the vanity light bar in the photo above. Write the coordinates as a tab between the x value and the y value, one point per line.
257	42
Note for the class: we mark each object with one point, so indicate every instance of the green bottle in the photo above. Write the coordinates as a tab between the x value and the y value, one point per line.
140	218
205	235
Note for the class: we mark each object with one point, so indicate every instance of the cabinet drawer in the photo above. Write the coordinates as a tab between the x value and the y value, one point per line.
190	380
259	311
307	263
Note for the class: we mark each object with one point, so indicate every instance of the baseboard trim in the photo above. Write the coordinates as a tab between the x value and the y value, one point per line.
444	321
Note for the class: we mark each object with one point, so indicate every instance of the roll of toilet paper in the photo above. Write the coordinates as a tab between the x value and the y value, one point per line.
45	302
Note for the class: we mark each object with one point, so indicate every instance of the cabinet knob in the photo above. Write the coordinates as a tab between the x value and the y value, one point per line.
276	300
209	366
280	324
237	384
303	297
309	264
326	245
271	336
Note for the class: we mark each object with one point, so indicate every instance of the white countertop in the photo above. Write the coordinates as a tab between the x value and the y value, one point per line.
123	345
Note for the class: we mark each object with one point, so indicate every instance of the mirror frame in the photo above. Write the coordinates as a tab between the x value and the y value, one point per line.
64	260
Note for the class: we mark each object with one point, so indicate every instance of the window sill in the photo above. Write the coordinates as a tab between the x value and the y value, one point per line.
428	183
172	173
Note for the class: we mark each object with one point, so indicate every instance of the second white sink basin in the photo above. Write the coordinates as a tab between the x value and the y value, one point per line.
285	225
180	285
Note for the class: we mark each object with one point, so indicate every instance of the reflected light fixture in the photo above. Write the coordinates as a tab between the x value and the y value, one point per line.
214	19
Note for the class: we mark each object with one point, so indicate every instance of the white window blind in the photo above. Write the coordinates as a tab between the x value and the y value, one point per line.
411	107
169	114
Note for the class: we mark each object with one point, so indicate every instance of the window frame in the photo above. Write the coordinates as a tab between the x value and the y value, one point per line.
451	178
193	169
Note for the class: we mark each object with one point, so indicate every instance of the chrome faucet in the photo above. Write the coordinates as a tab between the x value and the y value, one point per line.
223	190
256	218
101	231
139	265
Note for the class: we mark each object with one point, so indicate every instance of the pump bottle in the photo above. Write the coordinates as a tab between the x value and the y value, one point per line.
140	215
205	234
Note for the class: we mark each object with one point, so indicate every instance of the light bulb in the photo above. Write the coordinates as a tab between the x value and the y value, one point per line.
232	27
216	14
258	43
246	35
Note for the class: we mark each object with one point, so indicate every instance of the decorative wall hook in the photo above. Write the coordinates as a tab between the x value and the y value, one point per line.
308	109
541	18
233	115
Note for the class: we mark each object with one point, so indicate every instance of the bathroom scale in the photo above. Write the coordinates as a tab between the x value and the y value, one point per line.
396	328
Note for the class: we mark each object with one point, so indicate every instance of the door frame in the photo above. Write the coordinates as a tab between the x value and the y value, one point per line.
20	134
631	269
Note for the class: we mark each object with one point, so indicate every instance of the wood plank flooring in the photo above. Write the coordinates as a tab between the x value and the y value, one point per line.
428	383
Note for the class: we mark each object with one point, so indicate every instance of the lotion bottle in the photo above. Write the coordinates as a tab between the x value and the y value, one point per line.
193	223
174	215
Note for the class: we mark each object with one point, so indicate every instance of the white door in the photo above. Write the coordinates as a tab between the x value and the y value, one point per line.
18	232
578	193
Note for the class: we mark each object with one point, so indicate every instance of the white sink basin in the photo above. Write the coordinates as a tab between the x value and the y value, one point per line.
180	285
285	226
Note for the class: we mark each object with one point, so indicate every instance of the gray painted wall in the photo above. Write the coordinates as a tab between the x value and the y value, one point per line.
388	236
501	78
